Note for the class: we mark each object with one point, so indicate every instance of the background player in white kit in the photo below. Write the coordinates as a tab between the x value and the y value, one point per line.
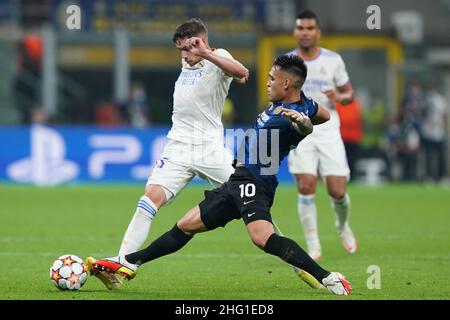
195	142
323	151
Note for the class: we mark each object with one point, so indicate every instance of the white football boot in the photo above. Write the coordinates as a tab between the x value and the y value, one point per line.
337	284
348	239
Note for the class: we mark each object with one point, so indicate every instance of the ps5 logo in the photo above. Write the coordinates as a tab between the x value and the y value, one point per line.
102	155
46	165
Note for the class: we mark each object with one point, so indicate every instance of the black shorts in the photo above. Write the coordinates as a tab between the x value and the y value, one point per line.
242	196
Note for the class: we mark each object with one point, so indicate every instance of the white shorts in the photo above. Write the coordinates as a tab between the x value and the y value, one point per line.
323	154
181	162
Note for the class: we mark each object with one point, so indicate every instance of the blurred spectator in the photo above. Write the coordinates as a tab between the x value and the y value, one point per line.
136	109
433	129
25	95
107	114
32	47
26	84
414	102
38	115
408	145
392	137
351	130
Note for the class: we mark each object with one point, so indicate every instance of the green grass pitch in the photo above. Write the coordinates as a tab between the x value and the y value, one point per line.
402	229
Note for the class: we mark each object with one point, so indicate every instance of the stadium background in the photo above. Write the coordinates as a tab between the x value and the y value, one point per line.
119	71
94	106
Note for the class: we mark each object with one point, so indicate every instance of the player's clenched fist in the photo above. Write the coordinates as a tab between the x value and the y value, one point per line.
293	115
301	121
197	46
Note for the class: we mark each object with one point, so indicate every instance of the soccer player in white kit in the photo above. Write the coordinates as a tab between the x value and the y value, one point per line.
323	151
195	142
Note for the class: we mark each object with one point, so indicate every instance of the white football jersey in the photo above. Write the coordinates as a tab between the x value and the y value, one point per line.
327	71
198	100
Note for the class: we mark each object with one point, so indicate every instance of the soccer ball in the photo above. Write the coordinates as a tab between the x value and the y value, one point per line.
68	272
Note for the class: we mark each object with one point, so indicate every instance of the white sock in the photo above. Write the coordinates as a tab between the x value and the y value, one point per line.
139	226
307	213
341	208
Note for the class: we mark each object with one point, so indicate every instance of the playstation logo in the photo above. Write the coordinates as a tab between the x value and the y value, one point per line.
46	165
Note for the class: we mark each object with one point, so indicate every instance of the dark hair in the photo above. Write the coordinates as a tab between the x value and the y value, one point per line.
190	28
308	14
294	65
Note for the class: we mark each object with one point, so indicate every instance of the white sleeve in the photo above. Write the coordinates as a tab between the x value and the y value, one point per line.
340	74
223	53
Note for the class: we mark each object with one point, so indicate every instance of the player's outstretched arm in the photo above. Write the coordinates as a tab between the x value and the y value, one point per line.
321	116
231	67
302	124
241	80
343	95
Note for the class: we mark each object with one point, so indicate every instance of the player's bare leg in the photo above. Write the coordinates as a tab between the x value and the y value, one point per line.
171	241
307	212
263	235
191	223
340	202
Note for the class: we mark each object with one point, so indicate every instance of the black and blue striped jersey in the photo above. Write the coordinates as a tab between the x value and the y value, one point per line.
272	137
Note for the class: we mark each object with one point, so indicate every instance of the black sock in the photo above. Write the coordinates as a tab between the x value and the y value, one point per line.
292	253
168	243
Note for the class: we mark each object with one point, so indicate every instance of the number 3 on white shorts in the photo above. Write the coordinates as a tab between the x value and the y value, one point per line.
248	190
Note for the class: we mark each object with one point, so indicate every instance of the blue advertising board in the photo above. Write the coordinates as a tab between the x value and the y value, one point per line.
46	156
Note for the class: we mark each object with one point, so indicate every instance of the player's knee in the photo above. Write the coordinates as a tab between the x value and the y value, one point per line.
306	188
260	231
191	223
336	193
306	184
186	226
259	238
259	241
156	194
336	186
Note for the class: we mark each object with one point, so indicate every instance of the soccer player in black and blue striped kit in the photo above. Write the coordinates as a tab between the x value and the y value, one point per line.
249	192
